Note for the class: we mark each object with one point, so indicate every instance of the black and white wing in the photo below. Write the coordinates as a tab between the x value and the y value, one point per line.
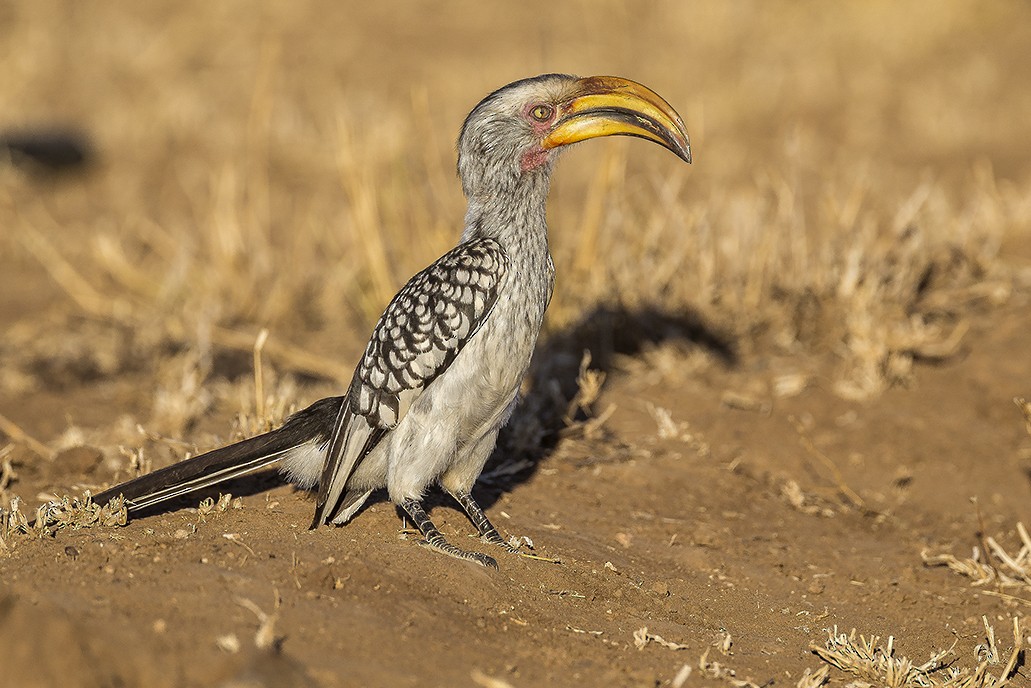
418	336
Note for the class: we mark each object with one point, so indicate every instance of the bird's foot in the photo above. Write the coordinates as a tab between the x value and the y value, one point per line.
493	537
433	538
488	533
514	545
444	547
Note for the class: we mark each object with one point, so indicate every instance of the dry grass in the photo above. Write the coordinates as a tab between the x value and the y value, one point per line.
290	200
1025	410
874	664
642	637
66	512
992	565
882	294
74	513
716	671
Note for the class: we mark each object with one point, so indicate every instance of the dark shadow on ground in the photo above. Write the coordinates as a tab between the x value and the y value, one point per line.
607	332
47	151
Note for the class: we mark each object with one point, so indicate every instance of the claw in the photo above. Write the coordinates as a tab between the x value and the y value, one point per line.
484	560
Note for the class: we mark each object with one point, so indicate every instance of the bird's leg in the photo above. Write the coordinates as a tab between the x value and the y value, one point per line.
434	539
487	530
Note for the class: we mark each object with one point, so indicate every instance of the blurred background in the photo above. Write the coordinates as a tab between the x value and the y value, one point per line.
861	175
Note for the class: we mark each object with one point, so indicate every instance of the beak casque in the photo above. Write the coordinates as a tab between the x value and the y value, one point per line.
613	106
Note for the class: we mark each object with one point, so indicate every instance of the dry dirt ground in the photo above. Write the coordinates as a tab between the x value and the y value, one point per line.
858	205
693	529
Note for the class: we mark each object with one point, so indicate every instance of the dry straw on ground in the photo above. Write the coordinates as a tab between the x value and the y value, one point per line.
993	566
716	671
66	512
303	214
876	665
889	293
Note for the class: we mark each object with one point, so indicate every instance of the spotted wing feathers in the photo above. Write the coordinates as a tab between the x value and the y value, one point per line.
418	336
424	328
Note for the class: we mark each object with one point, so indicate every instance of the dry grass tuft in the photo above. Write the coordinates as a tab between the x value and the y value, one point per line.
994	566
874	664
1025	408
82	512
210	507
669	429
266	637
66	512
719	672
642	637
79	512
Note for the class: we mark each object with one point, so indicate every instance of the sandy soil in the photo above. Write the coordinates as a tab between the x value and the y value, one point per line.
692	535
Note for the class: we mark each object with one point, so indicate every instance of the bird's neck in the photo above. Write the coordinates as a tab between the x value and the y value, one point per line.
514	217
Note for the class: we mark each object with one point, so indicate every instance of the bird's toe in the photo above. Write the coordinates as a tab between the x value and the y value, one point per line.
484	560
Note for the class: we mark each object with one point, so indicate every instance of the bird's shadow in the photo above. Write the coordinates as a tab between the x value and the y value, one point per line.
536	426
607	333
47	151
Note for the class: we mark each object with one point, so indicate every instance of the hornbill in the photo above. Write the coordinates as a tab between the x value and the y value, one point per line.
440	374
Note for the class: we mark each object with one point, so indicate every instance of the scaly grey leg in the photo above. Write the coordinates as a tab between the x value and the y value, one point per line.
435	540
487	530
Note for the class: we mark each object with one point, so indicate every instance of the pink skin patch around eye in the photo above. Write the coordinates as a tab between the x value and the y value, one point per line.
536	156
533	158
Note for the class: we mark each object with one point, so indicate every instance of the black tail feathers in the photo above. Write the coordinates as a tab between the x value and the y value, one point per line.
312	425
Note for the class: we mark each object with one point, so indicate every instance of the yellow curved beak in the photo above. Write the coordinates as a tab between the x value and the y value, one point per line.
613	106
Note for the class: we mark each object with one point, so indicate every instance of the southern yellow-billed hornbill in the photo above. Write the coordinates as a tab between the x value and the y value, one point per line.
440	374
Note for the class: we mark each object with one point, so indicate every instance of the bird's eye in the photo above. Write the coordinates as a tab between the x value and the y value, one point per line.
542	113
